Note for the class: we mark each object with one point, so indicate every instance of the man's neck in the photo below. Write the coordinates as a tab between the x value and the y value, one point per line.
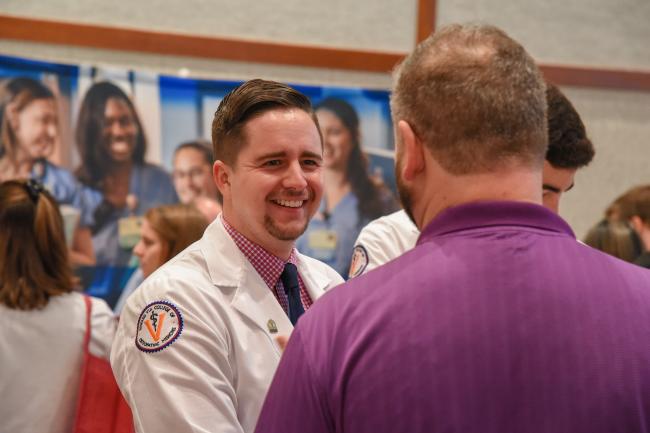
511	185
280	249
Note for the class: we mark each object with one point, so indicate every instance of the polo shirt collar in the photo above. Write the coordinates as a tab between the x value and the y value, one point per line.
482	214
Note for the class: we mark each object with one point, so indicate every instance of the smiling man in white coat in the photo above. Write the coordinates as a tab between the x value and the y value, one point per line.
197	346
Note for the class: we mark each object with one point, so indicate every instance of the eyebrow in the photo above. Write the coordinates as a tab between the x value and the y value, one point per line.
306	154
313	155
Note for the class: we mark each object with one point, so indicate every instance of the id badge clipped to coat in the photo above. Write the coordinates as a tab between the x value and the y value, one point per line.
129	229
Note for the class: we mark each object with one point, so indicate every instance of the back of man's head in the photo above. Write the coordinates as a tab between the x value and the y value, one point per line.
568	144
475	98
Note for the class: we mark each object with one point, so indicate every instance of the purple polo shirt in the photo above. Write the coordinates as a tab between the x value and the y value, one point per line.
498	321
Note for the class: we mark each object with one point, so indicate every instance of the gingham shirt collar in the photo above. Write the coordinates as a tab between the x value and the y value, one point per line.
268	266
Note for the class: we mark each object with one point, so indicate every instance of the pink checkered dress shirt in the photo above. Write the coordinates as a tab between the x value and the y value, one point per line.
269	267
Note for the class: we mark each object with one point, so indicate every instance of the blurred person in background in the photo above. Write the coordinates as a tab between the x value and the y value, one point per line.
42	318
112	147
192	176
615	238
633	207
166	231
29	132
569	147
351	196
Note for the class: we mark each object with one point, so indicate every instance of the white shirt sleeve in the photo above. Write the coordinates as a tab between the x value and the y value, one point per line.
189	384
381	241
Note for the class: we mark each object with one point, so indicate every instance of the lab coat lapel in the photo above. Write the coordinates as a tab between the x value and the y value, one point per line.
228	267
316	281
256	301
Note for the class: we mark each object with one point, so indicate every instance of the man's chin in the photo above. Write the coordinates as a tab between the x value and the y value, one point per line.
285	232
187	198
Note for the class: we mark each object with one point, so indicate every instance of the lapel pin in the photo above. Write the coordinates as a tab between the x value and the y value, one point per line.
273	328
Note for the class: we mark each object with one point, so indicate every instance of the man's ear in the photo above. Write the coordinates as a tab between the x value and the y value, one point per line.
412	151
637	224
221	173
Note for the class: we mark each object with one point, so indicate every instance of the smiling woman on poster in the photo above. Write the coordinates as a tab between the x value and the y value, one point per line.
29	131
351	198
112	147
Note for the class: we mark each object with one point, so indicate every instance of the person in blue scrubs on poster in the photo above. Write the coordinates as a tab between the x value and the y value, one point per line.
112	147
351	196
29	132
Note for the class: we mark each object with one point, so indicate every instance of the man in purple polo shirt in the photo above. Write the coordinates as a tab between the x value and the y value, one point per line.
498	320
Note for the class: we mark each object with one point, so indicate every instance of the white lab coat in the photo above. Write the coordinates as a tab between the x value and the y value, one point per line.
214	376
383	240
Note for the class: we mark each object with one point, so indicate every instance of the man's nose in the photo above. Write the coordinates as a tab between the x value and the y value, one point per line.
138	249
295	176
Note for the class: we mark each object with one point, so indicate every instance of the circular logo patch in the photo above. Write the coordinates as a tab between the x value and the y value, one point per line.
359	261
159	325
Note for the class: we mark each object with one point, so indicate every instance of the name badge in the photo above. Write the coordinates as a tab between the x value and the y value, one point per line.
322	244
129	229
322	239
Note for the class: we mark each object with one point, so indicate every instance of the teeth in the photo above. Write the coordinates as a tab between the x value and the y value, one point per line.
290	203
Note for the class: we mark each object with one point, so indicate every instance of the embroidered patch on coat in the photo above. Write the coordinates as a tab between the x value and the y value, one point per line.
359	261
159	325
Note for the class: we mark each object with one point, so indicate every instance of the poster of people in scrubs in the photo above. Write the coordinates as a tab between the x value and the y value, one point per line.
102	141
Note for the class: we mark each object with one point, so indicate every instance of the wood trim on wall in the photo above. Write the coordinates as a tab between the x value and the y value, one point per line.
85	35
619	79
95	36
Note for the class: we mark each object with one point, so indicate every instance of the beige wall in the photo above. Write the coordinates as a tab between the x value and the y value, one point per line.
580	32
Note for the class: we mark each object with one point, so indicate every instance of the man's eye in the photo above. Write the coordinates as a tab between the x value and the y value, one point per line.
311	162
273	163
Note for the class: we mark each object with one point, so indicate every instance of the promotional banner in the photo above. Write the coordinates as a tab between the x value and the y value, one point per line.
113	144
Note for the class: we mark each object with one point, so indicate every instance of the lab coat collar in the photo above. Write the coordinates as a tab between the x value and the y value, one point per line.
228	267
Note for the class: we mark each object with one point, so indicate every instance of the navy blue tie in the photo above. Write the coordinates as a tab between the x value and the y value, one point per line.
289	279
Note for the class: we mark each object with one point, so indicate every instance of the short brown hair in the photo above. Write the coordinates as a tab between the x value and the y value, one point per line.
568	144
251	99
476	99
34	264
178	225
